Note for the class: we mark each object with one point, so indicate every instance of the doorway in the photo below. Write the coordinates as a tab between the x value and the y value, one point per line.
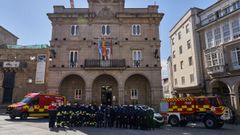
106	95
8	85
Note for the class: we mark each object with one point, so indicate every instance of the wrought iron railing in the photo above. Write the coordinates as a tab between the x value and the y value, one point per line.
114	63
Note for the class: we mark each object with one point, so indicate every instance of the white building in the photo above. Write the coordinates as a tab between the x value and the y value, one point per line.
187	77
167	89
220	39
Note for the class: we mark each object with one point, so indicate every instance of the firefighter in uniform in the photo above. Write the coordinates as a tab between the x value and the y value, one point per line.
52	115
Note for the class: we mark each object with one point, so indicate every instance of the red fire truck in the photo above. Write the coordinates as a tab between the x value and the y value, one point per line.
208	109
34	105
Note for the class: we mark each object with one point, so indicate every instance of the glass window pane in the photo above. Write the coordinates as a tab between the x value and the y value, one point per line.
217	34
134	29
138	30
226	32
72	29
103	30
108	30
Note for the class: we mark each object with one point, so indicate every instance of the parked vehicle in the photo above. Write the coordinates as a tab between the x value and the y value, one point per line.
207	109
34	105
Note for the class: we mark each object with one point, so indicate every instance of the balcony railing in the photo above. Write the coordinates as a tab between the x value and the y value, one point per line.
221	13
105	63
215	69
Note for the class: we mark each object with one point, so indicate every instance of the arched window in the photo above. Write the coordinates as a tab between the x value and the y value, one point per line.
136	29
106	30
75	30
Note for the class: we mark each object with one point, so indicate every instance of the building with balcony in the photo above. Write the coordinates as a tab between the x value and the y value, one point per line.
220	38
185	63
23	69
106	54
7	37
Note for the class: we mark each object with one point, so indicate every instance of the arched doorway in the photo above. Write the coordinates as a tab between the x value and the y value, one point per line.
221	89
137	90
105	90
73	87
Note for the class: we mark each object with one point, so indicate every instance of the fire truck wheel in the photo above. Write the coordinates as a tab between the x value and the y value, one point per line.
210	122
183	123
220	124
174	121
12	117
24	116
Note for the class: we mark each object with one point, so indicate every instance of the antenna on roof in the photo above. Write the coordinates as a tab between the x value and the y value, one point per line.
72	3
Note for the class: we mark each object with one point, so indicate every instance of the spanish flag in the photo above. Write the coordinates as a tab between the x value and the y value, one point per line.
104	48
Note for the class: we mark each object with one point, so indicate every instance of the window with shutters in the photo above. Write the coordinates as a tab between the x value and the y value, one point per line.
136	57
134	94
73	57
78	94
136	29
75	30
106	31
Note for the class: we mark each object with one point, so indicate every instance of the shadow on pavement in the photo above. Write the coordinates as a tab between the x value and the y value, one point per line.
34	120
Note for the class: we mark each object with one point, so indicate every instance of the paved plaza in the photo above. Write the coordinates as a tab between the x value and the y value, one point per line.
39	126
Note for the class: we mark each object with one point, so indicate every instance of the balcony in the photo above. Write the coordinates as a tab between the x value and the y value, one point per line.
221	13
105	64
215	69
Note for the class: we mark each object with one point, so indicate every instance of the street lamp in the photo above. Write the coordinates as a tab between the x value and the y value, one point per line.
50	59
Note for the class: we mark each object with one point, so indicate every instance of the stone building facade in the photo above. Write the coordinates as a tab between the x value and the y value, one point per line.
18	71
220	31
7	37
129	72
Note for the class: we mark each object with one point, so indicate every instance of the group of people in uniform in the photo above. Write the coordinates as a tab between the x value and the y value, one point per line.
126	116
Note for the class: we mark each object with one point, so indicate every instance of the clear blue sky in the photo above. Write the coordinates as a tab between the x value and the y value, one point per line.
27	19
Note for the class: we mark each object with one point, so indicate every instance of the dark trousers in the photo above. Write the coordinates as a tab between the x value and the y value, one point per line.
52	118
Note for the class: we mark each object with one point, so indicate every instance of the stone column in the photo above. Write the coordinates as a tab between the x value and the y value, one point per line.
155	97
88	96
121	95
